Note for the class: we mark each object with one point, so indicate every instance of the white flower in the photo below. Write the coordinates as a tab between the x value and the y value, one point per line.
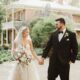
66	34
25	59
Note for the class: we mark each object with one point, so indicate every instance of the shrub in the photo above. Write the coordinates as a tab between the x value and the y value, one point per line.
78	56
41	31
5	55
5	46
39	51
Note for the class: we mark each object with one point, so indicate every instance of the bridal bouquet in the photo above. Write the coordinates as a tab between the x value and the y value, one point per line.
21	56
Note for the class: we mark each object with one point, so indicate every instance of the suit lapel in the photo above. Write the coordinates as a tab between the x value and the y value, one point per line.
64	36
56	37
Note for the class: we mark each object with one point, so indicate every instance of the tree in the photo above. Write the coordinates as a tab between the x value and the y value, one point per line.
3	5
6	2
75	3
1	15
3	10
41	31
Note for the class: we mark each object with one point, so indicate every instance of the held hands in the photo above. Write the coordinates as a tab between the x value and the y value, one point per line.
41	61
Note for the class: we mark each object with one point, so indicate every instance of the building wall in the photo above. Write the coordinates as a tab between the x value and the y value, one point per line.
26	14
29	13
76	18
10	35
78	35
18	15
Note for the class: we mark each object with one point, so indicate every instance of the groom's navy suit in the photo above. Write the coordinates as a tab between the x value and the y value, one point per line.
62	53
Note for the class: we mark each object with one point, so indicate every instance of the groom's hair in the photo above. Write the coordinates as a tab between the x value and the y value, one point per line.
61	20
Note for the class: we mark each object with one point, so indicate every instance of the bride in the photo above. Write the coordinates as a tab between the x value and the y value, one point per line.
24	55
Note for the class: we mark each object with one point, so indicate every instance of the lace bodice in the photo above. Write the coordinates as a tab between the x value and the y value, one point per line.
26	49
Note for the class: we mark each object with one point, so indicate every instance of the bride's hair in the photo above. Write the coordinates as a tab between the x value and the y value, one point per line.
19	34
22	29
18	38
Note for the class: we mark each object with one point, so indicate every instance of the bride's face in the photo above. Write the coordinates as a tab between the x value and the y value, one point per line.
25	33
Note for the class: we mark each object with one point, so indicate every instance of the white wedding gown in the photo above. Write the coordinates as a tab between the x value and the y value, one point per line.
23	71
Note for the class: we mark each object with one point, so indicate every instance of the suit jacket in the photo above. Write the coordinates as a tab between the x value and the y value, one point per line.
64	51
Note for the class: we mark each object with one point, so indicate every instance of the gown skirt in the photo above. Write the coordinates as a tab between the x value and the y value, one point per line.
22	71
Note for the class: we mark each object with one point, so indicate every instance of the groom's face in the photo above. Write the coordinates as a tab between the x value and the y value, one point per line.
58	25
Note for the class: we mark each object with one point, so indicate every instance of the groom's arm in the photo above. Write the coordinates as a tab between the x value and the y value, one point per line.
48	47
74	46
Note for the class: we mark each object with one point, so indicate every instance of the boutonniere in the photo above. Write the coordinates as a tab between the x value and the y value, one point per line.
67	39
66	34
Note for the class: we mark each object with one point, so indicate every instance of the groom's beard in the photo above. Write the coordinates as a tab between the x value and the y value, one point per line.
60	28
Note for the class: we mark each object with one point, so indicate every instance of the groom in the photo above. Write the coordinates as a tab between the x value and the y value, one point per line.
64	51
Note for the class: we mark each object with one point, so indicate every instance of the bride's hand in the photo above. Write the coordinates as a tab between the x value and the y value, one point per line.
18	59
40	61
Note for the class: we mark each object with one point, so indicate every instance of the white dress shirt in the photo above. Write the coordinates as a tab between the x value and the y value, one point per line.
60	35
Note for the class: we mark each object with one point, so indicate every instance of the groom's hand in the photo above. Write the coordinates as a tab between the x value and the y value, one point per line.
41	62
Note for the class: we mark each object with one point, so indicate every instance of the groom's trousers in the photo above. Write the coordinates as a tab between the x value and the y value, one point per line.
58	69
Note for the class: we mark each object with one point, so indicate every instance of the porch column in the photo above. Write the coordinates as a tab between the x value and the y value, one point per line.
6	36
13	26
2	37
6	29
12	37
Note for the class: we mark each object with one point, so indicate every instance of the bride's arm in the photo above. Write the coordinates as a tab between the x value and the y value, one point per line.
14	51
13	48
33	51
